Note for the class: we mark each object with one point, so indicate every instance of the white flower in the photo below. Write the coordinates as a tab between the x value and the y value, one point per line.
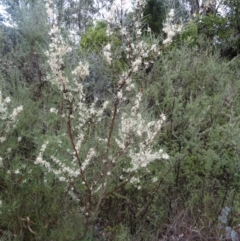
19	138
171	34
7	100
15	113
130	87
50	13
43	147
163	117
139	32
108	47
136	64
72	32
53	110
2	139
171	13
165	156
154	48
82	70
154	179
123	31
62	179
134	180
1	162
90	155
39	160
170	29
119	94
107	53
139	133
167	41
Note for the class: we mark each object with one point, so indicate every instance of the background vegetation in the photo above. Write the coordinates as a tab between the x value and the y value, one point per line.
194	81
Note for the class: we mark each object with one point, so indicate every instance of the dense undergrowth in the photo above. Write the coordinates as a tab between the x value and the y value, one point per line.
137	140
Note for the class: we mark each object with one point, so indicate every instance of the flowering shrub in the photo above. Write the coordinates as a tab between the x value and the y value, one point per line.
8	120
94	170
75	167
8	123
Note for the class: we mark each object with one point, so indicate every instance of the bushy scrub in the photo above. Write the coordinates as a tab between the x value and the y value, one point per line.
95	153
151	156
199	94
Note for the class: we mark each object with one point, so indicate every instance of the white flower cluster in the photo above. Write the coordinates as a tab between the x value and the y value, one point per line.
107	53
49	9
134	180
170	28
67	170
144	153
138	52
15	113
80	114
133	126
9	120
2	139
125	77
63	172
144	157
3	107
57	49
90	155
53	110
39	160
113	11
135	135
81	71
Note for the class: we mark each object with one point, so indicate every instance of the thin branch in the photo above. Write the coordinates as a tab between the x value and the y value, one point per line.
69	127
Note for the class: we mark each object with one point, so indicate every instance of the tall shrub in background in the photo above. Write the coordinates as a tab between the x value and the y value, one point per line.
200	97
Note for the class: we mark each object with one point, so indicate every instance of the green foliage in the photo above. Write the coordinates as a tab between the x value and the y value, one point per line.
155	13
22	47
203	31
213	26
96	38
199	93
194	87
